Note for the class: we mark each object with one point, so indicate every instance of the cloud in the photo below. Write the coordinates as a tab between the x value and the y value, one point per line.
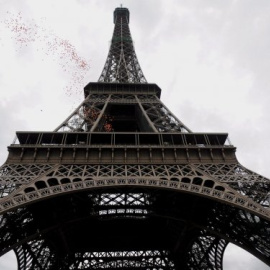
8	261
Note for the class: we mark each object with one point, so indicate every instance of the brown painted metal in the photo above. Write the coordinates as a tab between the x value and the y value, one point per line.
122	183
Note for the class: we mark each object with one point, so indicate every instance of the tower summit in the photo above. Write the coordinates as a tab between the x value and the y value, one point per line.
122	183
122	65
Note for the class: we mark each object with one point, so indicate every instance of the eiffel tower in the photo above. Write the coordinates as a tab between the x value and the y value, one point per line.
122	183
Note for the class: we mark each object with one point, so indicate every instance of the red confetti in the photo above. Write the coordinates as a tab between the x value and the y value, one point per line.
50	44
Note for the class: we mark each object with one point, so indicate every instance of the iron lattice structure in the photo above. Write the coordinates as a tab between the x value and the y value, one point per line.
123	184
122	64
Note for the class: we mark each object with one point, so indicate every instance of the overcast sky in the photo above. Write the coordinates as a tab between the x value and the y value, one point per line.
210	58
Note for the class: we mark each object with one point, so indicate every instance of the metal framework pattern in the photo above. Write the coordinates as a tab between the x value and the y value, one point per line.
241	179
122	183
206	251
146	259
96	114
74	178
122	64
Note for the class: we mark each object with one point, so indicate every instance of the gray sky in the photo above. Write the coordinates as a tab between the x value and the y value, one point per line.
211	59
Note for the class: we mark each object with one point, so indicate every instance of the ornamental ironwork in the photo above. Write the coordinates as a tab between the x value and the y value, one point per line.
122	183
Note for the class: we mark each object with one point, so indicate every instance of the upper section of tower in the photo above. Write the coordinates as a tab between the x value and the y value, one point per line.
122	65
120	12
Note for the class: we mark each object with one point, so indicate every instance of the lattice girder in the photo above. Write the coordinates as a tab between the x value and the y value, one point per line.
97	113
122	183
141	174
144	259
241	179
246	230
14	175
34	255
85	116
162	118
89	176
122	64
207	253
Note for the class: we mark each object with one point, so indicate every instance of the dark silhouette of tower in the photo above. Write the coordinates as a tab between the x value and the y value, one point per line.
123	184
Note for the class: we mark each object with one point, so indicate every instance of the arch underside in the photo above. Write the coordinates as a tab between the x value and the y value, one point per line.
65	178
159	217
140	228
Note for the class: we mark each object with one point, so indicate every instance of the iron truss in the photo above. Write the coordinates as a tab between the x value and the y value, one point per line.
122	64
33	248
87	234
98	113
122	183
234	175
